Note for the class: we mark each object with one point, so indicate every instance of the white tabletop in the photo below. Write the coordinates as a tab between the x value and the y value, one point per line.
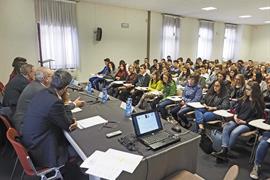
259	123
175	98
223	113
268	140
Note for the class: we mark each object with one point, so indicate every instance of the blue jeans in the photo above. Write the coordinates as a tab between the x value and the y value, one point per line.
202	115
230	133
161	107
262	149
95	82
182	114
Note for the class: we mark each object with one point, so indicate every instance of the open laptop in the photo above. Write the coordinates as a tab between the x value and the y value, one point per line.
148	128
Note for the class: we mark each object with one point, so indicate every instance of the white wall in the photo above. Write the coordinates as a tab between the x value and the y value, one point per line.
117	43
17	34
260	43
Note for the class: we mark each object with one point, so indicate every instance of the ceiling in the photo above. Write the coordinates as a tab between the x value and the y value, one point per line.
227	10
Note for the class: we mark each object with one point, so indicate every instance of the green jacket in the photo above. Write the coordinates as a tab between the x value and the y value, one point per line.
169	89
155	86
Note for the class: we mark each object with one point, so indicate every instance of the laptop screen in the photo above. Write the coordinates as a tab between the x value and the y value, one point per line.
146	122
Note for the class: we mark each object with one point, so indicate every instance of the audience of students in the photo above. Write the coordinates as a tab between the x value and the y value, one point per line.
225	84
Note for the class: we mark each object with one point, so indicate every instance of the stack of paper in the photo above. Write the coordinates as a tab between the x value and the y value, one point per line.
118	82
196	105
223	113
111	163
175	98
89	122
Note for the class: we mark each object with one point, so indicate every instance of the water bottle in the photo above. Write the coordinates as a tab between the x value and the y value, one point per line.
89	88
104	95
128	110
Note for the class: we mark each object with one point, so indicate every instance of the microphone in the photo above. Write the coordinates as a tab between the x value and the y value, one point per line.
75	87
92	96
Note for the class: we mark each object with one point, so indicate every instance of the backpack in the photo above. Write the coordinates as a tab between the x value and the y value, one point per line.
212	142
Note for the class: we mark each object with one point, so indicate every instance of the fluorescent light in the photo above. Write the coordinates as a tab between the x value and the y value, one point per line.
245	16
209	8
265	8
267	22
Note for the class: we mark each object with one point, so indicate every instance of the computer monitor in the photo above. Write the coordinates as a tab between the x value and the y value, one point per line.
146	122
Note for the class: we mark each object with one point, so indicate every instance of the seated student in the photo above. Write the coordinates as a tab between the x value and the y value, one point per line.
258	77
136	65
155	84
251	107
120	75
185	73
142	81
192	93
238	90
154	66
213	75
168	90
108	78
15	87
130	82
261	153
174	69
105	71
16	64
44	122
231	76
216	98
267	97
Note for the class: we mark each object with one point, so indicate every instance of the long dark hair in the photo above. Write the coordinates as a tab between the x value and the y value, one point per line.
223	89
256	96
157	76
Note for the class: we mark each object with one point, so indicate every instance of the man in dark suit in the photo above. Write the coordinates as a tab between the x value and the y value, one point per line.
42	80
15	87
44	122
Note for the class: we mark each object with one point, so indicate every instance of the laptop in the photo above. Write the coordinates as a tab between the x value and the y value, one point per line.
148	129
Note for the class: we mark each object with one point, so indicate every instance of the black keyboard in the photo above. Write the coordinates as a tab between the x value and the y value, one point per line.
157	137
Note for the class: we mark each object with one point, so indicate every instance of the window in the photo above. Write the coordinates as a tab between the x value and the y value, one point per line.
205	42
170	37
58	33
229	41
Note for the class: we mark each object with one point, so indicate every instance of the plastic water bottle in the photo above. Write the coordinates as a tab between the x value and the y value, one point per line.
89	88
128	110
104	95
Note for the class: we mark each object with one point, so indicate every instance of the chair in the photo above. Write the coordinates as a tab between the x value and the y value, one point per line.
26	161
231	174
7	126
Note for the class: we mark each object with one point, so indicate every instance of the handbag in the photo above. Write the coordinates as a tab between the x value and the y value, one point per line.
216	137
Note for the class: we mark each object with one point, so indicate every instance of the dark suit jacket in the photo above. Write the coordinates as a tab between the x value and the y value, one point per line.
13	90
42	133
143	81
23	102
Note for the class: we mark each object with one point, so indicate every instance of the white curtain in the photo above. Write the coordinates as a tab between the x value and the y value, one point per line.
58	32
229	41
205	43
170	36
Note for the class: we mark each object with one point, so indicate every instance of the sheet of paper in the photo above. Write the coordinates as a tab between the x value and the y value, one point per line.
93	158
127	161
175	98
196	105
223	113
89	122
141	88
118	82
100	165
75	110
157	93
123	106
268	140
180	87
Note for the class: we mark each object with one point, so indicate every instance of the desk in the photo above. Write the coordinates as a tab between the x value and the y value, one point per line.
258	124
155	165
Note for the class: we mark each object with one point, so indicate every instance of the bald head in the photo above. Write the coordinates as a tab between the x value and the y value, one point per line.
44	75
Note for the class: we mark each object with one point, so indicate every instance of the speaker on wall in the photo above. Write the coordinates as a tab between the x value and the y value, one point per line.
99	34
